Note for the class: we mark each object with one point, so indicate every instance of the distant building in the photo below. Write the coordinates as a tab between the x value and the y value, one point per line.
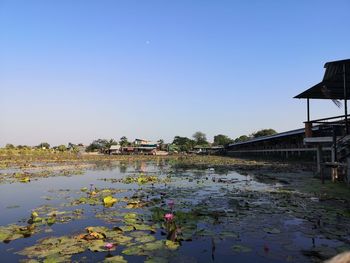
145	143
208	149
139	142
114	149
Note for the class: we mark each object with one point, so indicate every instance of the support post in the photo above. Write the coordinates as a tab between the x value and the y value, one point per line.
319	160
348	171
345	100
308	109
334	148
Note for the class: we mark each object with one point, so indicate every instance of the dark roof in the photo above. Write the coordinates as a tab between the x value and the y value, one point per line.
275	136
332	85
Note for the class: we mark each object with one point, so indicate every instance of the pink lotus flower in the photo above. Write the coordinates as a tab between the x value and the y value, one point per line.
169	217
109	246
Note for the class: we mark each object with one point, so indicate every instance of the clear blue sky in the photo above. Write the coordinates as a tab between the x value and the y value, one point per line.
74	71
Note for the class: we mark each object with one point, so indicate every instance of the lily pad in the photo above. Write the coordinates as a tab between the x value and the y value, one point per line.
133	250
145	239
126	228
159	244
123	240
171	245
109	201
24	180
115	259
272	230
97	246
241	249
143	227
156	260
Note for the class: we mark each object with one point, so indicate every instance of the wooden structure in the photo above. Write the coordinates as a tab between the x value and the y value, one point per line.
285	145
207	150
335	87
114	149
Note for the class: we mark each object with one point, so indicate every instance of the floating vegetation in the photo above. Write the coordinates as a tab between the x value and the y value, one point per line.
241	249
109	201
13	232
178	209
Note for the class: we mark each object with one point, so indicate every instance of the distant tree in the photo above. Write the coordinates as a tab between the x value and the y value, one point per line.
200	138
123	141
183	143
23	147
101	145
160	143
221	139
9	146
242	138
173	148
73	147
44	145
62	148
264	132
111	142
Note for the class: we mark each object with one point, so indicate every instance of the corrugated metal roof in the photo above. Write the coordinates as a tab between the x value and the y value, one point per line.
332	85
114	147
278	135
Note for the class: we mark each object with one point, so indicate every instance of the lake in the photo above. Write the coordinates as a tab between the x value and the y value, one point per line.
161	211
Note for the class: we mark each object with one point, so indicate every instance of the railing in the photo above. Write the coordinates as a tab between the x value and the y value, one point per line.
339	121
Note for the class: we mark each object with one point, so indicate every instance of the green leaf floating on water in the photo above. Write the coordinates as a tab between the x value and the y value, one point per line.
138	233
228	234
145	239
271	230
130	218
143	227
241	249
13	232
156	260
56	259
172	245
109	201
146	247
123	240
24	180
133	251
97	246
115	259
157	245
126	228
51	220
5	234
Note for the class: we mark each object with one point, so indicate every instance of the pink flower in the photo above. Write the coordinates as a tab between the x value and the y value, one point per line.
109	246
169	217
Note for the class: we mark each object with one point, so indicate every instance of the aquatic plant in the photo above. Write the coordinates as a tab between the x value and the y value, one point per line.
109	246
171	204
169	217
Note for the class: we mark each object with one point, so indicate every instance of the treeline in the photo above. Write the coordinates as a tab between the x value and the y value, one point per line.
179	143
46	146
199	139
